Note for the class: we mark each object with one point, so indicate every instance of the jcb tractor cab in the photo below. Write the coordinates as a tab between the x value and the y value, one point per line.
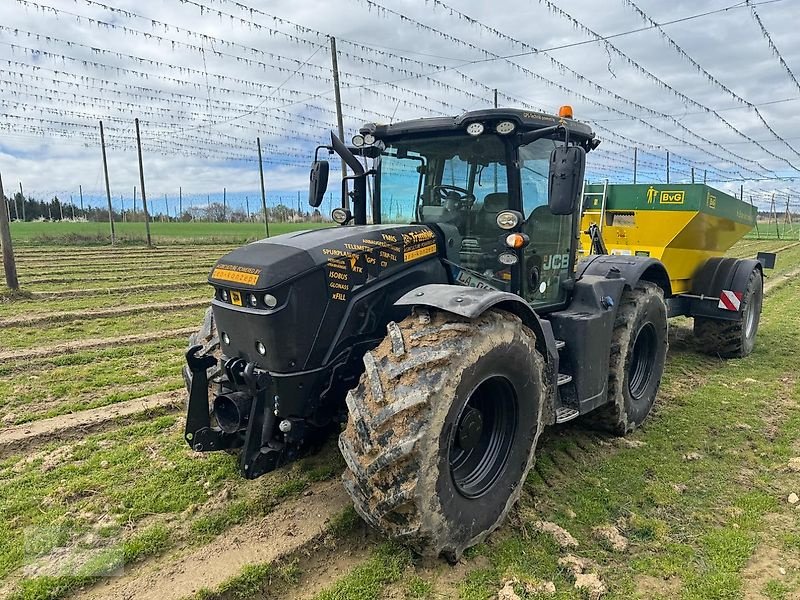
443	324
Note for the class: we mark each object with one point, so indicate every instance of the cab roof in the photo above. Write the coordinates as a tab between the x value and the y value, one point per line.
525	120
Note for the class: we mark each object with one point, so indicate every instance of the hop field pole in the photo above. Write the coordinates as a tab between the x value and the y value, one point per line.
9	264
141	182
263	191
635	163
108	187
667	166
337	94
22	199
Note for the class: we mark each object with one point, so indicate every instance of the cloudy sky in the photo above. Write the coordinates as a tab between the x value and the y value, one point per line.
206	77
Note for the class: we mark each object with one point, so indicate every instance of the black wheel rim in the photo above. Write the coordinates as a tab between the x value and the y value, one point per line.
481	441
643	358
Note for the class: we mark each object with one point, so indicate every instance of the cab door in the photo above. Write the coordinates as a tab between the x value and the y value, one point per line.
546	262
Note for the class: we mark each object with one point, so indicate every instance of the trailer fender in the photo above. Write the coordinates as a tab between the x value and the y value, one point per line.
720	274
472	302
632	269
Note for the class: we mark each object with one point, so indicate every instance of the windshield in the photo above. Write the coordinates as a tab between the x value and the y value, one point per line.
442	179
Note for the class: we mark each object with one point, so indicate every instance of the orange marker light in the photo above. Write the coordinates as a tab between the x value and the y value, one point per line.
516	240
565	111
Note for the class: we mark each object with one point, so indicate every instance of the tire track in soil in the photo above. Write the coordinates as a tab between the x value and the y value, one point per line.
118	261
131	269
289	529
19	438
90	344
99	313
113	278
146	287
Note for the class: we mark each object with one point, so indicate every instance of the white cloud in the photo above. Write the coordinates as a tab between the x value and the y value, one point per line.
176	104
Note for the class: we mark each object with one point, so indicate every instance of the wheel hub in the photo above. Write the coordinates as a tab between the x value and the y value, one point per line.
470	429
481	441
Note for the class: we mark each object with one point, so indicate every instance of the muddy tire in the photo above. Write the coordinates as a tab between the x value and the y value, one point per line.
733	339
443	428
636	362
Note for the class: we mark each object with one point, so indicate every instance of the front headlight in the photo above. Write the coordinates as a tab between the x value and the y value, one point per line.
508	219
475	128
505	127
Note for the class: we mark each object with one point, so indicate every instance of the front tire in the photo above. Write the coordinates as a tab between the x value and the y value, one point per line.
733	339
443	428
636	362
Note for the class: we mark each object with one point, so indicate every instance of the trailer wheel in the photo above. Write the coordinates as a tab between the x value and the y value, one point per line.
443	428
733	339
636	362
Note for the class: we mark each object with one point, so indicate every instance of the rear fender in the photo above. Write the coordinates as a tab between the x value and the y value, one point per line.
472	302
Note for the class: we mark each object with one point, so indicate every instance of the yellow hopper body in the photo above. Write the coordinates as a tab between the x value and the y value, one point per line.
682	225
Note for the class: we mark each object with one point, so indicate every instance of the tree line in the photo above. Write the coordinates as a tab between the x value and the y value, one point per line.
22	208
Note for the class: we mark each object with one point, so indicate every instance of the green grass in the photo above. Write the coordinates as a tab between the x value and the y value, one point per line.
97	378
121	481
152	484
32	306
772	231
149	321
367	581
161	233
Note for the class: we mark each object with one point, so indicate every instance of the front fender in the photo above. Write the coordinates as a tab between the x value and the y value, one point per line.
472	302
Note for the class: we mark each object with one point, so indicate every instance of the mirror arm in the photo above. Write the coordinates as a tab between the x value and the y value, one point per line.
318	148
532	136
347	156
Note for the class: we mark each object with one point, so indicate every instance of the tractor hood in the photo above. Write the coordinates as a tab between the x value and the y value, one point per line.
275	297
354	254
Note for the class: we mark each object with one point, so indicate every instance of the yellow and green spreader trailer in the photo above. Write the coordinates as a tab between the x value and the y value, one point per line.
688	228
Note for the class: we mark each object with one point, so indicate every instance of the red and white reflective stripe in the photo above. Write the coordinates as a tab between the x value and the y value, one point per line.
729	300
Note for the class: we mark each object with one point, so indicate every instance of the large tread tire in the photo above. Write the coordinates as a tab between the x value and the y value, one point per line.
406	410
642	309
733	339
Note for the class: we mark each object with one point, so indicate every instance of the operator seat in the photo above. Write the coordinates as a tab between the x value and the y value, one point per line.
487	217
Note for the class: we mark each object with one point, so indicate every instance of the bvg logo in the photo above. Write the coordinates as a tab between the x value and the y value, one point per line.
664	196
671	197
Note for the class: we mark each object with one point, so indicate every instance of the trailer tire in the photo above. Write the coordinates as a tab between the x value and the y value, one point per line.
733	339
636	361
443	428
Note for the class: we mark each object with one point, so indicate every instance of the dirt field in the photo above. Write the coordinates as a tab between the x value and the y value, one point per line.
101	498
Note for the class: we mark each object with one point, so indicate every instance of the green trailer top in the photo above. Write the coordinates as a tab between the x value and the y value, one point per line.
694	197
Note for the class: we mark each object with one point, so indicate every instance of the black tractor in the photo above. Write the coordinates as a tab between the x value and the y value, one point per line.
438	329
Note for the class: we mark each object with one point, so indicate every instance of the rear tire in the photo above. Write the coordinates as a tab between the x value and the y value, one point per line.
636	362
443	428
733	339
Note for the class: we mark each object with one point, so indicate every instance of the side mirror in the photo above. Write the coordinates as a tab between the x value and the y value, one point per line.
318	183
567	164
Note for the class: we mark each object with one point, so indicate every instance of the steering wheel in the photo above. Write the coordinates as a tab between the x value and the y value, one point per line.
453	197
